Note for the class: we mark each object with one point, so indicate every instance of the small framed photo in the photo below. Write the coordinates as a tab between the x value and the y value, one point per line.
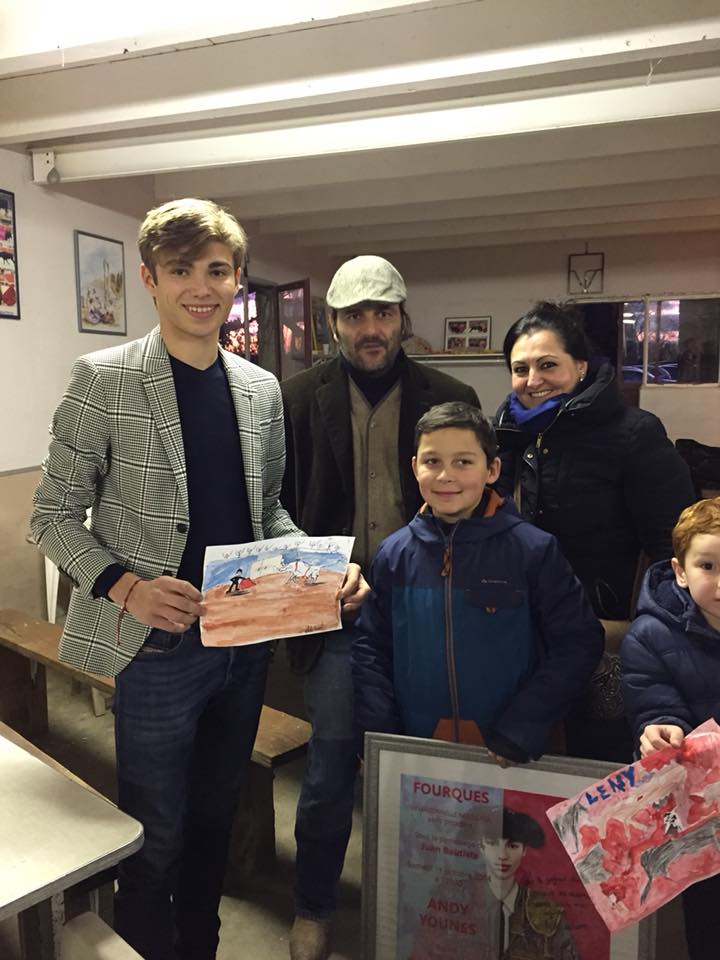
467	334
460	859
100	284
9	284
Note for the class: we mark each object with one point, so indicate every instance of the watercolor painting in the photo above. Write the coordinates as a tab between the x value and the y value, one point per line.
100	284
271	589
638	837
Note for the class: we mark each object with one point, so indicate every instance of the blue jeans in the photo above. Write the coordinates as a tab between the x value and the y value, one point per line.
324	812
185	723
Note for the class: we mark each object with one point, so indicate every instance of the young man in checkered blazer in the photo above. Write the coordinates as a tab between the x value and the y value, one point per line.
174	444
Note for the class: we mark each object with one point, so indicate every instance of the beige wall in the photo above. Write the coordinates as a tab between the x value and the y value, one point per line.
37	351
504	281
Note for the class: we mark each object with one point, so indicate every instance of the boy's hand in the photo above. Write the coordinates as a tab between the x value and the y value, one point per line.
657	736
354	589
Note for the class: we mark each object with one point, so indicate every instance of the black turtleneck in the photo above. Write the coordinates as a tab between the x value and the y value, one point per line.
374	386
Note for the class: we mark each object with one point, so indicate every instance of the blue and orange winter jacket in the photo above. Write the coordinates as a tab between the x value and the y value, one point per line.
482	622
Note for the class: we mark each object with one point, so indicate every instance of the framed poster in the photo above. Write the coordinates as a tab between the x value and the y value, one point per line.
9	285
467	334
460	860
100	284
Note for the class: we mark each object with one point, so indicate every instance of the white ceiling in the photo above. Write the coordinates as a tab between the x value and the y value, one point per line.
355	126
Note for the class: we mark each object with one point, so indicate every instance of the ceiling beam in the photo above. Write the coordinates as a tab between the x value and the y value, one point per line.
267	74
590	232
277	182
629	102
525	203
459	226
38	35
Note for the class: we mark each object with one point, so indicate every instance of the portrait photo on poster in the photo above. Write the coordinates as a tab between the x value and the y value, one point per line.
100	284
461	860
9	282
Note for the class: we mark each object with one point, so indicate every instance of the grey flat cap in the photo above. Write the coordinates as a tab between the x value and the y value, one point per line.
365	278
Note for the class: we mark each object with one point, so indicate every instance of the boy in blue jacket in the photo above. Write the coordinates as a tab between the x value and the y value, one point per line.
477	630
671	672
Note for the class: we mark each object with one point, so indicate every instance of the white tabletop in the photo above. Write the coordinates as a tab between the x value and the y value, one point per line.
54	831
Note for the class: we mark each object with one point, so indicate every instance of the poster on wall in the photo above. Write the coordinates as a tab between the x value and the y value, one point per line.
100	284
461	861
9	285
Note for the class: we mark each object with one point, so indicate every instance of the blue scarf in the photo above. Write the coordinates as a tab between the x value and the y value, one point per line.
536	419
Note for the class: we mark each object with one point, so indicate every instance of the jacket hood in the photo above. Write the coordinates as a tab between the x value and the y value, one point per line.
598	397
501	517
662	598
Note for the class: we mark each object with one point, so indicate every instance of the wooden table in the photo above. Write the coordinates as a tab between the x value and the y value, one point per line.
55	832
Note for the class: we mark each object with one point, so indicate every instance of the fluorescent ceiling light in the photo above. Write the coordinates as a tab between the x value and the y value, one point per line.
628	103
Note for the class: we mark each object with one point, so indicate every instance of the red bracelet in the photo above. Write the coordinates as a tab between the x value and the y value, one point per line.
123	608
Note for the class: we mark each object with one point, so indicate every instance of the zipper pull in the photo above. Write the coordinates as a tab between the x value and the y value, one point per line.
447	562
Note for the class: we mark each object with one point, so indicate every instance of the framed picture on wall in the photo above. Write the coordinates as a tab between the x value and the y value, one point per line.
450	837
585	272
467	334
100	284
9	284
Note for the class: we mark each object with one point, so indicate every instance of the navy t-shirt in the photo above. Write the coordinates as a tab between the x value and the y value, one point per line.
219	510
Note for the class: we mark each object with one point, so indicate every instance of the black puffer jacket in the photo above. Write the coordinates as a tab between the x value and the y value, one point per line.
605	479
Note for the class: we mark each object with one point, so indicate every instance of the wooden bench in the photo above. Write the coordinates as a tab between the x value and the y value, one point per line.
29	646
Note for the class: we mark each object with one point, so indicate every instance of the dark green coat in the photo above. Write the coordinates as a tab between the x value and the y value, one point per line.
318	485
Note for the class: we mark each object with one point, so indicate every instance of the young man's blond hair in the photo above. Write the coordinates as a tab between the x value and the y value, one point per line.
188	225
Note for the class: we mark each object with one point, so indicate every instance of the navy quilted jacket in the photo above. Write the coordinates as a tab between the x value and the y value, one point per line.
483	621
670	658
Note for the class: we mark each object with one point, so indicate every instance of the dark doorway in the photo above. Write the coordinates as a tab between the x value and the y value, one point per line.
604	325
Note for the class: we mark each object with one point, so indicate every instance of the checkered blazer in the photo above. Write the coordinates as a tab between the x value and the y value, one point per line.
117	447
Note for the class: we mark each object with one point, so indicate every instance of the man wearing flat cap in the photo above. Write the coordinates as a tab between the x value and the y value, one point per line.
530	925
349	426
